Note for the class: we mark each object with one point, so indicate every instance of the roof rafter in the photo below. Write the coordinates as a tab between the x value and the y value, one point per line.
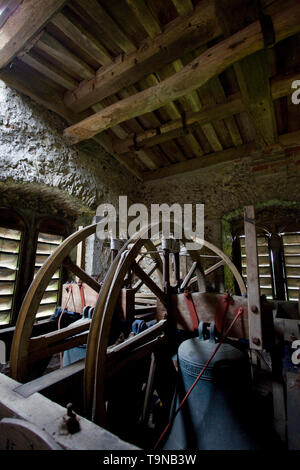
209	64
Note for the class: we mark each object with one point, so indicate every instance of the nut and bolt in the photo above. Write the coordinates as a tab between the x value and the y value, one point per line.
256	341
254	309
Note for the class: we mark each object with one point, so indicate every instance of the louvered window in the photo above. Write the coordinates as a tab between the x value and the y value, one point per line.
10	244
291	250
46	244
264	265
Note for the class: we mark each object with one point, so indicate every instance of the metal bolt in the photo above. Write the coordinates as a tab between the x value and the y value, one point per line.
254	309
256	341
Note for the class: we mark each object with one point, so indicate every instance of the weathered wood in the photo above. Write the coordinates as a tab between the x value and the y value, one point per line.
251	72
69	61
182	34
183	7
83	276
145	17
20	347
201	162
212	62
48	415
178	127
7	9
82	39
25	22
149	282
51	72
253	292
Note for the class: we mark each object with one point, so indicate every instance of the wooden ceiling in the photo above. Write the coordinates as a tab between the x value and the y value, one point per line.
164	86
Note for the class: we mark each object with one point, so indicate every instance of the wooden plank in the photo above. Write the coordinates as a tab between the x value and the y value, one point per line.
177	127
83	276
212	62
201	162
251	72
82	39
7	8
183	7
48	415
66	59
108	25
253	292
182	34
149	282
191	102
56	377
24	23
51	72
145	17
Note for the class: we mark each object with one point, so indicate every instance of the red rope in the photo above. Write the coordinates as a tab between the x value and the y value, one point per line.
239	313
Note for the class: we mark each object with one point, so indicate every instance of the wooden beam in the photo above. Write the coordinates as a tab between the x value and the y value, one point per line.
149	282
280	86
108	25
212	62
7	8
47	69
81	274
25	22
145	17
53	48
253	291
180	127
291	139
82	39
183	7
182	34
251	72
201	162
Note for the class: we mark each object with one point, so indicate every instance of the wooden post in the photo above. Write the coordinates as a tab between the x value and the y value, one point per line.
254	308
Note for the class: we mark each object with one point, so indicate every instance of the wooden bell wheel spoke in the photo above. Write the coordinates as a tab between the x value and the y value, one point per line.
98	365
27	352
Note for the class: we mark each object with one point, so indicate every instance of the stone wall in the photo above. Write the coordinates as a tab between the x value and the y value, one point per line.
37	164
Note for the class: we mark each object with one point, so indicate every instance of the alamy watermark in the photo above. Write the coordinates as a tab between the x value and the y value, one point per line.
181	222
2	352
296	94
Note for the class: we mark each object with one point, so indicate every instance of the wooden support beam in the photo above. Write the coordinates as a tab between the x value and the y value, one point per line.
183	7
253	292
53	48
210	63
107	24
145	17
251	72
47	69
180	127
291	139
201	162
7	8
149	282
82	39
24	23
182	34
83	276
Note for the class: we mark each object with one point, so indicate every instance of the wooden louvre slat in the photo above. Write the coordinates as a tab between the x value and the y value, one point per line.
7	288
5	302
9	233
9	246
49	238
8	260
